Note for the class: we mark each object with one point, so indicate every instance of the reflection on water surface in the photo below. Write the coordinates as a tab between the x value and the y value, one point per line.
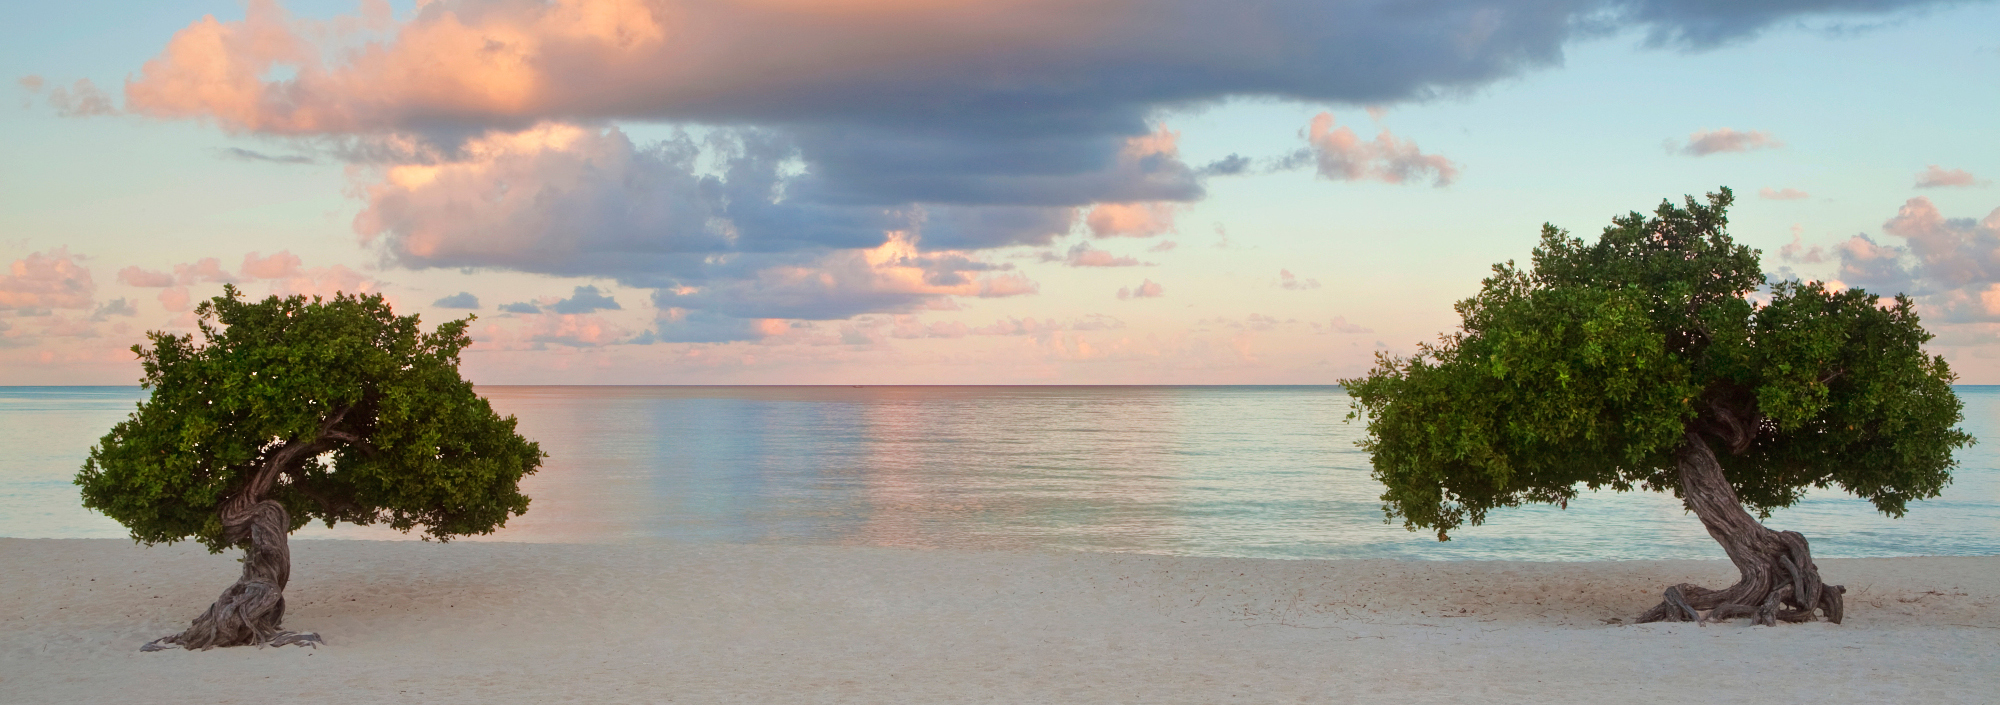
1209	471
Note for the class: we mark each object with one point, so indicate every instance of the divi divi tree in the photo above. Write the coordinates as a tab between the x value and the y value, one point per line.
288	411
1649	360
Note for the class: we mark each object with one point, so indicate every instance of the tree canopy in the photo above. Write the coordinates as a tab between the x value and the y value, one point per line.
383	428
1592	367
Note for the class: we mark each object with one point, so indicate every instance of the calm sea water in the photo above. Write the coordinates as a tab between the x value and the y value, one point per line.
1269	472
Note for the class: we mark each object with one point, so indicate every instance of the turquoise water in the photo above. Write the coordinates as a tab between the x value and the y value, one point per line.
1267	472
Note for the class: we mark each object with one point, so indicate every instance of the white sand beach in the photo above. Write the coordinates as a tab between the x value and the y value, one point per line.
668	622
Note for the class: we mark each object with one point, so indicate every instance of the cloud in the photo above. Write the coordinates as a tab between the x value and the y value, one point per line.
546	330
1083	255
1702	24
483	133
1046	329
1227	166
279	265
46	281
1286	280
80	99
1798	253
1704	142
894	277
1340	325
574	330
1079	64
461	299
1146	290
521	307
1076	63
585	300
251	155
134	276
679	325
323	282
204	270
1952	264
1130	219
1935	177
1341	156
1786	194
176	298
114	307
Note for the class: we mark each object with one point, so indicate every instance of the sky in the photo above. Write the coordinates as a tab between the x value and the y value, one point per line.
960	192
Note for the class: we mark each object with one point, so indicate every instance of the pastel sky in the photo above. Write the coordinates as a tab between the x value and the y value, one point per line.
960	192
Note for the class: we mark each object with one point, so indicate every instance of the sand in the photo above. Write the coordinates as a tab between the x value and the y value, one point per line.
703	623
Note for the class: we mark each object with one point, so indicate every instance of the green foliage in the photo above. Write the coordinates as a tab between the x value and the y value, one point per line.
1591	369
406	441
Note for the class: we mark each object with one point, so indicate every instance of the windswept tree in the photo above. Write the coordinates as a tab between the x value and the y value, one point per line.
287	411
1642	362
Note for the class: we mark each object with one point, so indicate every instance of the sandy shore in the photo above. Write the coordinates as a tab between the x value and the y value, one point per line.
665	622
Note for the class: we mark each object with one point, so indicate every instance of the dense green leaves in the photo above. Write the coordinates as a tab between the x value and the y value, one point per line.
398	437
1591	369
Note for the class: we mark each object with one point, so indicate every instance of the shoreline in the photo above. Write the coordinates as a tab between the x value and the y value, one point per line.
660	621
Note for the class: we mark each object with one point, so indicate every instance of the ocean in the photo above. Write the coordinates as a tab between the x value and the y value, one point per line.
1262	472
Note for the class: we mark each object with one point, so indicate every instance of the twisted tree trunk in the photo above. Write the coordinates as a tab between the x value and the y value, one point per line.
252	610
1779	580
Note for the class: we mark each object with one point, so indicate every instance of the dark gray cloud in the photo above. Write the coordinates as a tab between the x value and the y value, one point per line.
585	300
115	307
701	327
251	155
952	127
461	299
1703	24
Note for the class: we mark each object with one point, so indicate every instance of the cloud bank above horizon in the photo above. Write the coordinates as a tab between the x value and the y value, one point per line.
842	156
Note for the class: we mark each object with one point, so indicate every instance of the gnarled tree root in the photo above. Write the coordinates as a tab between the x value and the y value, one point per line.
250	611
1779	585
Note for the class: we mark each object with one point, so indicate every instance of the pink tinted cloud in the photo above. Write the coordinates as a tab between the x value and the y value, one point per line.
1287	280
1343	156
910	327
1083	255
175	298
552	330
1950	264
1785	194
204	270
145	278
508	62
1339	324
1798	253
520	62
323	282
1937	177
1131	219
1145	290
893	277
46	280
1705	142
280	265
